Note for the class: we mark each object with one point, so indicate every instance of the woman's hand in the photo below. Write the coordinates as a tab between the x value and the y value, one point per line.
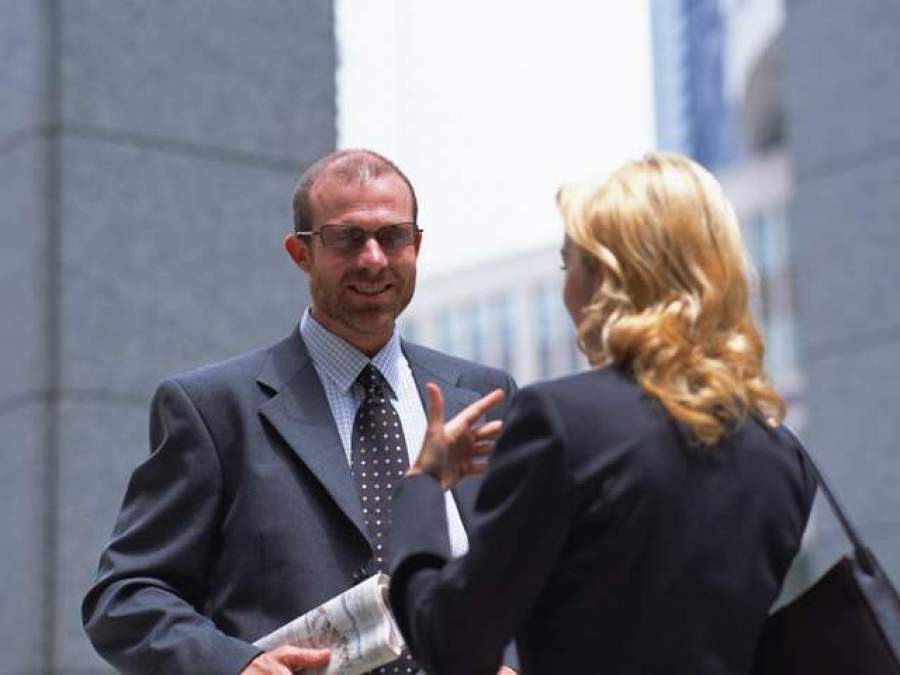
449	451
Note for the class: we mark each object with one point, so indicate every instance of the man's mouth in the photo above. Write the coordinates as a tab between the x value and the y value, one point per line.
370	289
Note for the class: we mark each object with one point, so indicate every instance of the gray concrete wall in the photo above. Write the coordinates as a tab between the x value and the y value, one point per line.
843	92
147	156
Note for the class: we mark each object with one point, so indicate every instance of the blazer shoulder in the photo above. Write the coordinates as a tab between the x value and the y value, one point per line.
454	367
609	386
283	356
792	451
245	365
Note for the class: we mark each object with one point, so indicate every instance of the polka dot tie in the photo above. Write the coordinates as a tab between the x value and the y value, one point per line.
379	461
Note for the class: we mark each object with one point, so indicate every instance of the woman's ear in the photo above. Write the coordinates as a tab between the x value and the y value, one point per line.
592	276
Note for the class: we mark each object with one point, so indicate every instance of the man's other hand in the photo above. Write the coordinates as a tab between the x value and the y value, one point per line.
286	660
506	670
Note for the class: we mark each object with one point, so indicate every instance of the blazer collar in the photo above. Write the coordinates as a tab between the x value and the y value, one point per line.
430	366
289	357
298	410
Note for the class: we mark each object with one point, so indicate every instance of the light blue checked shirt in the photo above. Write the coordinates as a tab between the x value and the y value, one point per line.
338	364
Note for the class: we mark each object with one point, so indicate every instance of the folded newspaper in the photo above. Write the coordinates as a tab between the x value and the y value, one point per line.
356	626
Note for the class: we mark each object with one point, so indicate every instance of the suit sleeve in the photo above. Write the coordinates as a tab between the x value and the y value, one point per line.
509	388
458	615
143	612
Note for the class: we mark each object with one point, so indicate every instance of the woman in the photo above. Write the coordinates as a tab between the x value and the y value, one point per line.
636	518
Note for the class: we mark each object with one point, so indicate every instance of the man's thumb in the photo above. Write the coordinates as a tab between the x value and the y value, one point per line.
299	657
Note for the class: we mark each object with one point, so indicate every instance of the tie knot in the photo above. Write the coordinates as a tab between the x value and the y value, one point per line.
372	381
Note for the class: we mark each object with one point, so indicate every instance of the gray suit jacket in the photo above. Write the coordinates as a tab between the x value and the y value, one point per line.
244	515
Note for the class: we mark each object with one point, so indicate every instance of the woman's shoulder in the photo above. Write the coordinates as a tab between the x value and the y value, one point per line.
599	388
588	408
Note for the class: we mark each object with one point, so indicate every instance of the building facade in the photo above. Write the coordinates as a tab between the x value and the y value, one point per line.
810	88
508	313
841	84
693	114
718	76
705	53
148	153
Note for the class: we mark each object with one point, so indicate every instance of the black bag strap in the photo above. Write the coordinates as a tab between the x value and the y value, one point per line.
860	550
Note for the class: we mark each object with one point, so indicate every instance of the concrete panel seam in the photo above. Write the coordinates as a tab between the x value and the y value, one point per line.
183	147
855	343
873	154
794	4
52	292
831	535
68	394
23	136
65	671
149	142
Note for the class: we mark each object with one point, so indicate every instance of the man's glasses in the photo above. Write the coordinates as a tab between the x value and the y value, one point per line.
348	239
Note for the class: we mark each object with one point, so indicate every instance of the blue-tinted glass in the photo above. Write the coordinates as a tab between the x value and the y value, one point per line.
476	333
504	316
543	316
446	332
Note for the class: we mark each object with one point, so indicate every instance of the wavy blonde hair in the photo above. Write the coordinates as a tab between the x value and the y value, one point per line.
672	303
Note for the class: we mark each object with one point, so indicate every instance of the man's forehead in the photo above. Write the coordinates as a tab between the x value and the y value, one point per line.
333	192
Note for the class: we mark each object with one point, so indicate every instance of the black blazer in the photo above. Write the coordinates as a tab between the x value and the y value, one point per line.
604	541
244	515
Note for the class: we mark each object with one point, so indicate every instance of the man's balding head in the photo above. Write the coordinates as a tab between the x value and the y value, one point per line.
346	166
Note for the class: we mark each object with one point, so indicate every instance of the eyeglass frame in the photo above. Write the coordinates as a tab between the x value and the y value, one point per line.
370	234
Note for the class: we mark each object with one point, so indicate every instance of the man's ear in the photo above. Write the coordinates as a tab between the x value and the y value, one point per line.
298	250
418	242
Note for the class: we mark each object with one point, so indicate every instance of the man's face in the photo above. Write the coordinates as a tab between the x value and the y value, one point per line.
358	295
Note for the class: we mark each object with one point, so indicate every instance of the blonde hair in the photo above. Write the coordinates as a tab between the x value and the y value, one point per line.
672	305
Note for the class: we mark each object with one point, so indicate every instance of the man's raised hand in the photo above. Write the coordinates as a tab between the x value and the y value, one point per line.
450	450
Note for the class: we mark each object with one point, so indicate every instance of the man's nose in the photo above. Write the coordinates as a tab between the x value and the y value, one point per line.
372	256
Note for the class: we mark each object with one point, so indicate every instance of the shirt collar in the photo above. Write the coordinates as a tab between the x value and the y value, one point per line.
342	362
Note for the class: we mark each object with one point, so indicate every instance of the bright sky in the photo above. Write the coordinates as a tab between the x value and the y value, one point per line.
489	106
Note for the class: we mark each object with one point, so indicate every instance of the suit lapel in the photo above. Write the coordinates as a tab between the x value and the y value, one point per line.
300	413
428	367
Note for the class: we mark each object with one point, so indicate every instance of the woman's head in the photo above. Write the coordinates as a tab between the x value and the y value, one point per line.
658	282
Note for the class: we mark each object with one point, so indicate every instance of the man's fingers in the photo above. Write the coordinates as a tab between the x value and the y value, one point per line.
435	405
299	657
464	420
477	468
483	447
489	430
471	414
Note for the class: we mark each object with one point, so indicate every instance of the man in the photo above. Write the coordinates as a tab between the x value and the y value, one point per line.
255	504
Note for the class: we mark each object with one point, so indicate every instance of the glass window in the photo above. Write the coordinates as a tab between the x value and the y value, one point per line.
408	331
543	314
475	330
504	318
768	241
446	330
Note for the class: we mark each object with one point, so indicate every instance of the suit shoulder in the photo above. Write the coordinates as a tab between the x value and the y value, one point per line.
442	362
246	365
599	403
589	386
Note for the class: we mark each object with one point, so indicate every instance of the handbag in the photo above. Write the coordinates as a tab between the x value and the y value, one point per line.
847	622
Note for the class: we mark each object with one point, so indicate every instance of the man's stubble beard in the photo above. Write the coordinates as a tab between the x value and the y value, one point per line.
375	321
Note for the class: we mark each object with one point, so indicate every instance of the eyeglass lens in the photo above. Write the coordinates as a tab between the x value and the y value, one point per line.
353	237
